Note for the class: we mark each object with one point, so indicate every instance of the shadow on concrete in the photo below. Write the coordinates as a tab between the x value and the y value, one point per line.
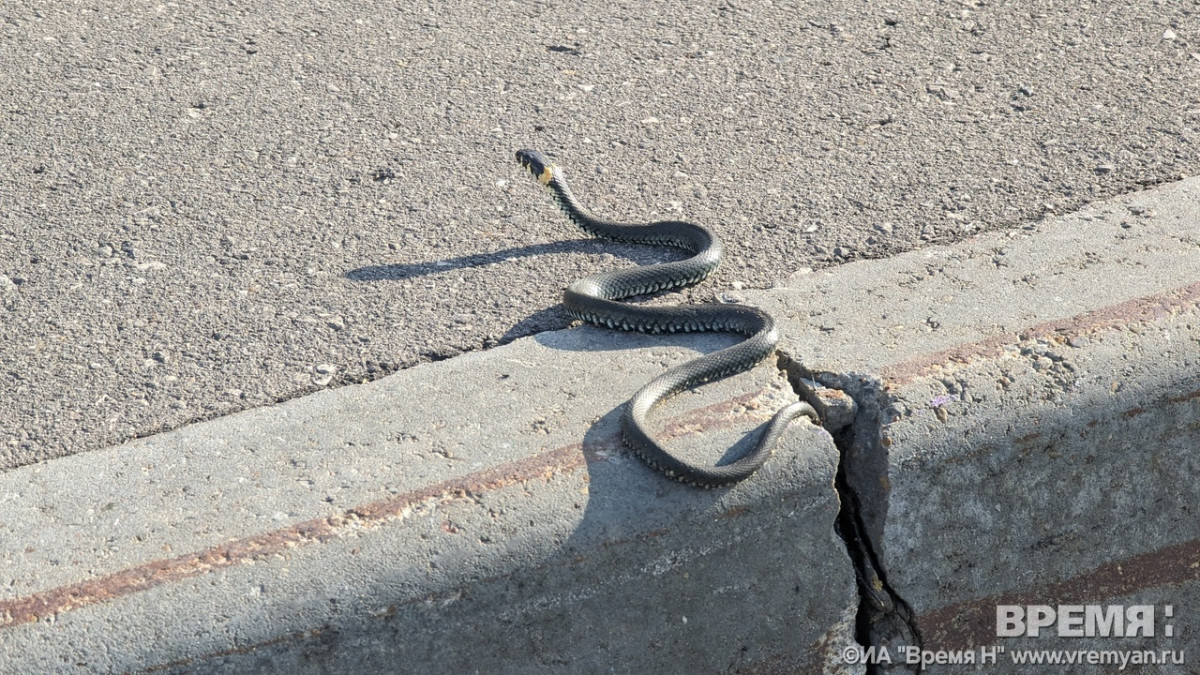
632	550
549	319
630	536
587	338
400	271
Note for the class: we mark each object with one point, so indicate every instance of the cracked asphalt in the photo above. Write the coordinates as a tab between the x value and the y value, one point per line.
214	206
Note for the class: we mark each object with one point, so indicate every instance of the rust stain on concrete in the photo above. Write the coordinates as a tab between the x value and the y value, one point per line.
734	512
738	410
245	649
248	549
1133	412
1137	311
542	466
1183	398
972	624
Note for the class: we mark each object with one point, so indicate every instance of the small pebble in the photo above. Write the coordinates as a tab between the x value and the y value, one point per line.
326	368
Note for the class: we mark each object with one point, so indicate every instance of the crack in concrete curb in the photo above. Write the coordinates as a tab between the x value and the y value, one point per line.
854	410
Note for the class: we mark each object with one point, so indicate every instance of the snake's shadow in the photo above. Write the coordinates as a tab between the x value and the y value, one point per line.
589	338
401	271
551	318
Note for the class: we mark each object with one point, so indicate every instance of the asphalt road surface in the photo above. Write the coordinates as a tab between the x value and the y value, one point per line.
212	206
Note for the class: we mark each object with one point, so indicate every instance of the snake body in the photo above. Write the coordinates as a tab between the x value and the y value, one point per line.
592	299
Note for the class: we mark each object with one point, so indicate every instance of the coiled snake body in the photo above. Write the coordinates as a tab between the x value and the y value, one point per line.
592	299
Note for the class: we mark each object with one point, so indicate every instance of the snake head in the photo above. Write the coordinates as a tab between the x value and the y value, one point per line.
537	164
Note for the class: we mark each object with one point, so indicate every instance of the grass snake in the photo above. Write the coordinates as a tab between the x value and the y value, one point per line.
592	299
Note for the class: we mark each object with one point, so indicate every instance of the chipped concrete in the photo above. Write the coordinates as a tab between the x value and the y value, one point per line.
1039	402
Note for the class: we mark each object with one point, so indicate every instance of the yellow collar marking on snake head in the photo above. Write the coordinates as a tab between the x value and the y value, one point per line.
547	176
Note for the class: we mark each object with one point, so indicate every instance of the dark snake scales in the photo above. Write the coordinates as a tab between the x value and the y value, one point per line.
591	299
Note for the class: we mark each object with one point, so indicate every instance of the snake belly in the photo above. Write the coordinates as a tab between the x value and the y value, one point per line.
593	299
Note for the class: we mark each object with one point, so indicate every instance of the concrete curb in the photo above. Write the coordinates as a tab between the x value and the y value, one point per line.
479	514
1029	419
500	527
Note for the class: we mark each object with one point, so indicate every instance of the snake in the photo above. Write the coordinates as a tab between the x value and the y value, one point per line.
593	299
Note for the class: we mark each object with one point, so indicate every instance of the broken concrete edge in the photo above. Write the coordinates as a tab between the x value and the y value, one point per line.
885	618
859	412
882	331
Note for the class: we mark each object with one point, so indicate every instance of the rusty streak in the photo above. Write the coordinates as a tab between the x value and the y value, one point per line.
1182	398
143	577
544	465
973	623
1139	310
720	415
